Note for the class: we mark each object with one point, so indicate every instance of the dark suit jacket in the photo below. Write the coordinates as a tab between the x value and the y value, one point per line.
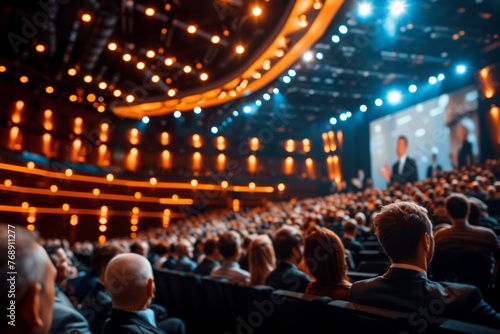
354	246
66	319
410	291
409	174
169	263
96	307
431	171
124	322
286	276
205	267
185	264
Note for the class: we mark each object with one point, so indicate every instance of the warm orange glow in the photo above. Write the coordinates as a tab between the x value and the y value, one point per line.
254	144
103	220
165	160
191	29
203	76
77	129
73	98
110	177
3	69
196	141
135	210
150	11
30	165
175	197
133	228
289	166
96	192
224	184
215	39
25	205
102	239
87	78
221	162
489	93
153	181
134	136
74	220
14	138
306	145
72	72
16	115
220	143
196	161
77	145
46	144
134	220
310	168
65	207
103	228
49	89
86	17
30	227
53	188
340	138
290	145
68	172
257	11
127	57
252	164
137	195
240	49
494	123
236	205
134	235
131	160
281	187
150	54
251	185
23	79
194	183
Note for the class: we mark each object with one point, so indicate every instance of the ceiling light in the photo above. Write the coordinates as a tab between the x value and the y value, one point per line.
303	21
203	77
364	9
335	39
317	4
240	49
440	77
247	109
333	121
127	57
343	29
292	73
23	79
101	108
49	89
87	78
117	93
187	69
257	11
191	29
171	92
363	108
40	48
91	97
397	8
73	98
150	54
308	56
197	110
258	103
215	39
86	17
349	114
112	46
266	96
267	65
433	80
130	98
276	91
343	117
3	69
394	97
286	79
140	65
280	53
319	55
235	113
103	85
169	61
412	88
379	102
214	129
461	69
177	114
150	11
72	72
155	78
145	120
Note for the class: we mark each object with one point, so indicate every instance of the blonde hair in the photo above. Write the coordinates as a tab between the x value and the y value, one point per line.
261	259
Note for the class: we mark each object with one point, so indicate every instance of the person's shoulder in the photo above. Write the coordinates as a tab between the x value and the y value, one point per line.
456	292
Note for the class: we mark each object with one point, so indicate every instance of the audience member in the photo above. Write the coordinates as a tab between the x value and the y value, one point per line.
261	259
289	247
349	239
405	233
325	257
185	255
229	246
171	260
211	258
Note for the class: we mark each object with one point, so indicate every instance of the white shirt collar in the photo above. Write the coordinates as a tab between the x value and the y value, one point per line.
409	267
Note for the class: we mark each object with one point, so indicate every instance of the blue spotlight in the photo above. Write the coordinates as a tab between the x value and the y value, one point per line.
335	39
348	114
412	88
258	103
343	117
197	110
333	121
363	108
365	9
235	113
286	79
266	97
224	123
343	29
229	120
292	73
441	77
145	120
433	80
276	91
394	97
379	102
461	69
247	109
319	55
214	129
397	8
177	114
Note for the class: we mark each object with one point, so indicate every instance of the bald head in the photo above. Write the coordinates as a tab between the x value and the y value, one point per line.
129	281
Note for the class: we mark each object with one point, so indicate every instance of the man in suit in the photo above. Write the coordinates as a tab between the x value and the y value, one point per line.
405	169
129	280
405	233
349	239
433	167
229	245
211	258
34	284
289	248
65	319
185	255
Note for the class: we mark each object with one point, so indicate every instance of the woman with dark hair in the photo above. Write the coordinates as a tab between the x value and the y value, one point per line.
326	260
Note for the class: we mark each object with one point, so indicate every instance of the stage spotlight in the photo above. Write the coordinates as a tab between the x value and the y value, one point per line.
394	97
286	79
397	8
177	114
379	102
197	110
363	108
247	109
235	113
266	97
292	73
433	80
258	103
441	77
343	29
276	91
348	114
214	129
145	120
412	88
343	117
364	9
319	55
335	39
308	56
461	69
333	121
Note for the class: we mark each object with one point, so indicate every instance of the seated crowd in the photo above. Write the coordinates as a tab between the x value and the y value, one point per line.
308	246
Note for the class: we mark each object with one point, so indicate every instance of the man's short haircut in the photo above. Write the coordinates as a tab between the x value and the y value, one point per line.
102	254
404	138
210	246
457	206
228	244
285	241
400	227
350	226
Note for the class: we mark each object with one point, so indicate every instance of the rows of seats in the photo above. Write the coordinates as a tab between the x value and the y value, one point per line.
215	306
